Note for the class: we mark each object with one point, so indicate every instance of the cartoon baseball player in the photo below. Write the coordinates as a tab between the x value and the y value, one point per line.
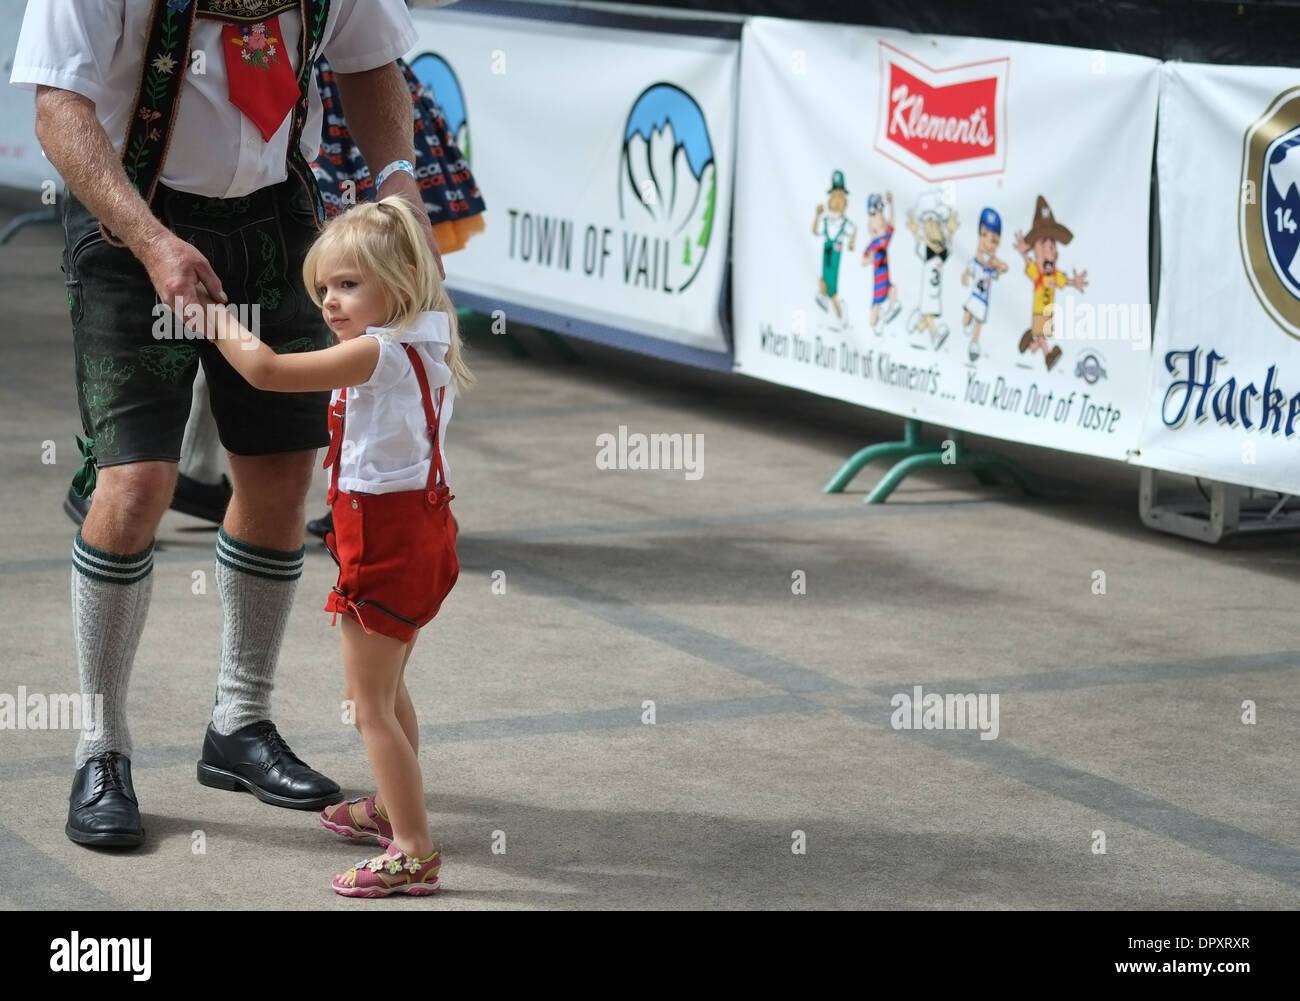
1041	241
983	270
835	229
932	224
880	227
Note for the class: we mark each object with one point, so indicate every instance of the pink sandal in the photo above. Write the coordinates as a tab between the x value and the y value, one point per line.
342	819
393	872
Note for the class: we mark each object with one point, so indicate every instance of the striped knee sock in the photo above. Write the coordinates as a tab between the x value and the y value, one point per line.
257	587
110	601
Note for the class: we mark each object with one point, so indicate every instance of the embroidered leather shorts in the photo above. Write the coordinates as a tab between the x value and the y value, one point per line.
135	368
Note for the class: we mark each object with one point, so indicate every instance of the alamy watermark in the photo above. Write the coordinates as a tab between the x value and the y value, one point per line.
1072	319
180	322
638	450
932	711
60	711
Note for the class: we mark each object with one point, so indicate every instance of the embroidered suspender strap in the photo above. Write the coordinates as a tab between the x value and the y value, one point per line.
314	15
431	419
166	59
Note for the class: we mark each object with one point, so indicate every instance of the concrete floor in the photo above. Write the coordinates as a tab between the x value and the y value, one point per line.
1118	713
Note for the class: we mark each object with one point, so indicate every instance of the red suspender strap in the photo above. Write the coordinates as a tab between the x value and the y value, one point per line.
431	419
333	457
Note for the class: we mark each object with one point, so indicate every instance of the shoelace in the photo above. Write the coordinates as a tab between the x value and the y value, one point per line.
107	775
279	744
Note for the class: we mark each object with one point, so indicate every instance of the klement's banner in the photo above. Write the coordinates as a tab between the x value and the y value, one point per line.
953	229
603	155
1225	390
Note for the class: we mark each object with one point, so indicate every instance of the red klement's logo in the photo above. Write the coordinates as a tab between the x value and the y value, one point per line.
942	124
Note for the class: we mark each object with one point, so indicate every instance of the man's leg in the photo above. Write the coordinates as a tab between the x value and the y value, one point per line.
112	581
259	560
271	439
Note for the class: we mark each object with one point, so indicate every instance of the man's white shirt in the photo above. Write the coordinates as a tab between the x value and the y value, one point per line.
97	50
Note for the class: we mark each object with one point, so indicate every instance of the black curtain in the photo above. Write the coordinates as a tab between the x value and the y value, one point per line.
1261	33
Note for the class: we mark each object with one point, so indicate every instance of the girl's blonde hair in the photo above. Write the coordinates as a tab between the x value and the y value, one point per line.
386	240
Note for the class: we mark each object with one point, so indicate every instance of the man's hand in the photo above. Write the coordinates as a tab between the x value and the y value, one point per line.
178	270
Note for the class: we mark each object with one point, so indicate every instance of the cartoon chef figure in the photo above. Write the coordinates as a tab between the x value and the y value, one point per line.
932	224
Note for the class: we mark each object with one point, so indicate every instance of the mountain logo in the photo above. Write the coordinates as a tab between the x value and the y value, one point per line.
1269	210
942	124
668	180
436	74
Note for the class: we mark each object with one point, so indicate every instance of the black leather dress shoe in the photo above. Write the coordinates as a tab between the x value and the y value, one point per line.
76	507
201	500
102	809
256	758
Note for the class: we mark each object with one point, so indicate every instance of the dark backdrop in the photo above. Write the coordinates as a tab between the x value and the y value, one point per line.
1264	33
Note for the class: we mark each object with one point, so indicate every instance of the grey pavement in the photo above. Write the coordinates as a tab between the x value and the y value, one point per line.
1118	713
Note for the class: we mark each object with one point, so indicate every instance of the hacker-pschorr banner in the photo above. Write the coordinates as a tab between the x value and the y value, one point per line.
603	156
953	229
1225	391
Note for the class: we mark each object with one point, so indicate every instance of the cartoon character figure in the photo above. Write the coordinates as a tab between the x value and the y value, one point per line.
1041	241
880	226
933	224
835	229
983	270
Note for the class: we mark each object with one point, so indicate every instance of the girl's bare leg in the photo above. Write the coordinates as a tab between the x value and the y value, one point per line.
405	715
373	665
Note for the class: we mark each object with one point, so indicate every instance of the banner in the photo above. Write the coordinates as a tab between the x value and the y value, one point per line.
603	155
952	229
1225	389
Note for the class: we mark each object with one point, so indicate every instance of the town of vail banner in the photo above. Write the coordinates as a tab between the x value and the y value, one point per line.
1225	387
952	229
604	157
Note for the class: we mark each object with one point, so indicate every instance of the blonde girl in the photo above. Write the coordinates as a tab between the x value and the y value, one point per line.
399	360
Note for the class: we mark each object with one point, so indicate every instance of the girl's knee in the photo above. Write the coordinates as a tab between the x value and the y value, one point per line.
373	712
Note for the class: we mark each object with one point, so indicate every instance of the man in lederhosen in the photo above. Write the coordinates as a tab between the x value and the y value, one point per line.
183	130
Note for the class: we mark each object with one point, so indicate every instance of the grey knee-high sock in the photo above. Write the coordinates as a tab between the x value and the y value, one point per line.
257	587
110	601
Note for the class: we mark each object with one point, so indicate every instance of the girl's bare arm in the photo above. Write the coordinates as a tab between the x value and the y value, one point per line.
348	364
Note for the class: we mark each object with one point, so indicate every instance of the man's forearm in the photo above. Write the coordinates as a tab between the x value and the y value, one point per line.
76	144
377	106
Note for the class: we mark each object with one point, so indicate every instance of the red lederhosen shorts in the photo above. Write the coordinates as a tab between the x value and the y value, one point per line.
396	552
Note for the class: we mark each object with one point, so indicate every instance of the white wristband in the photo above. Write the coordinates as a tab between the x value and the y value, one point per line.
387	172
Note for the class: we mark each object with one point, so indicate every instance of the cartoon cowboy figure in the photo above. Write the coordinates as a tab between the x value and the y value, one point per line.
835	229
1041	241
880	227
932	224
982	270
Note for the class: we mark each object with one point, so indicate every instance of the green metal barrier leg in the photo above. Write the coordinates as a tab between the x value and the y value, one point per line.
900	470
910	445
913	454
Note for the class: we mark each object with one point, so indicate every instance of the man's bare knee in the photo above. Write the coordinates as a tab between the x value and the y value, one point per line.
128	503
287	476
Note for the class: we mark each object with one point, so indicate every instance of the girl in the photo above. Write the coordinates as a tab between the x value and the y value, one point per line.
373	276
